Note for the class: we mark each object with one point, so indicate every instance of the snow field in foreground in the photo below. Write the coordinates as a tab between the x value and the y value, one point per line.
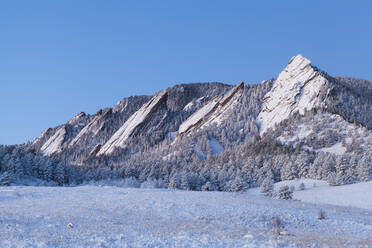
357	195
123	217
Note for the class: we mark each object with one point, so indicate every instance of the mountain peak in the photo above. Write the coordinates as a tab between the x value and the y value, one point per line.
296	89
299	58
296	65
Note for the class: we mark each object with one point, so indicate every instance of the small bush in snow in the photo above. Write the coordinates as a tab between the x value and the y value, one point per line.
285	193
277	224
321	215
208	187
302	186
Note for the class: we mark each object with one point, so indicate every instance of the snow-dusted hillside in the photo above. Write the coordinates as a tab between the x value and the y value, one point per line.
92	216
324	132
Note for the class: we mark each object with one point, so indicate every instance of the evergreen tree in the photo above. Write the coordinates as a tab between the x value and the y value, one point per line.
267	187
6	178
285	193
174	182
59	174
237	185
363	170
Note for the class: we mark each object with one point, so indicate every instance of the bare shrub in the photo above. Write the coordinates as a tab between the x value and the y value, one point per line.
301	186
277	224
321	214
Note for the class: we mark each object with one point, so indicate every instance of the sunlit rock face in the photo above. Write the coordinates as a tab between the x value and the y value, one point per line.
296	89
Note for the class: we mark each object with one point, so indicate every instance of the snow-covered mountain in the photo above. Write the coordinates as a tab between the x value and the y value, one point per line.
300	87
112	128
151	123
304	123
297	88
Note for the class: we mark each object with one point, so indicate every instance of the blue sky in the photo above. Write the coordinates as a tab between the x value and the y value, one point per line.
58	58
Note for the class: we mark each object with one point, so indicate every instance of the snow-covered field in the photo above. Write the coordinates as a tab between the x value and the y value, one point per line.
357	195
91	216
354	195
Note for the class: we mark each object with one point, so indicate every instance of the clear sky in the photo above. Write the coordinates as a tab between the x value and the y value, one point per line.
58	58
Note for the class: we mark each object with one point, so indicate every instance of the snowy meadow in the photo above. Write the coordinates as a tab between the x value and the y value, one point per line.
106	216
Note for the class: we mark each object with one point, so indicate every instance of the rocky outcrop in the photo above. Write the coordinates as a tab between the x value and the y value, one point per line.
212	111
44	136
93	127
134	117
54	144
297	88
63	134
133	123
